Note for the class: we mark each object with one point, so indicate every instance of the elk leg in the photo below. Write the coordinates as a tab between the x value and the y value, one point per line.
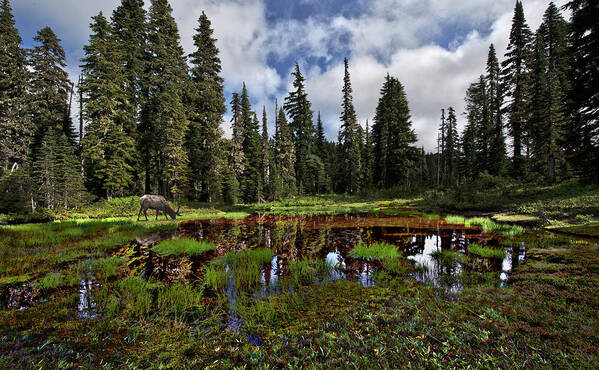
165	216
146	213
157	213
139	214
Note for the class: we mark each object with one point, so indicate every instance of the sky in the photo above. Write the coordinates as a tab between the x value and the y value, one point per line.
436	48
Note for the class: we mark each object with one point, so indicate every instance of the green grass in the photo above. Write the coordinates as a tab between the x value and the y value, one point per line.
183	246
375	251
130	297
449	255
105	268
486	252
178	300
216	277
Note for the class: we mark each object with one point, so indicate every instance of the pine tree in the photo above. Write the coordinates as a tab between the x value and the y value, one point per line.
516	85
497	154
50	88
128	23
238	160
393	136
251	184
348	139
107	148
367	158
285	155
320	139
58	181
164	122
206	109
16	128
583	140
451	146
299	110
474	156
266	157
554	31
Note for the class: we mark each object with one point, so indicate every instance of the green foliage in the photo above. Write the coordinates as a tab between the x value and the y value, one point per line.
104	268
130	297
183	246
207	103
216	277
108	149
178	299
379	251
393	136
349	140
486	252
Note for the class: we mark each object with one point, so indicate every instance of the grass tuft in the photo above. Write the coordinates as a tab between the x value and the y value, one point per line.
375	251
486	252
183	246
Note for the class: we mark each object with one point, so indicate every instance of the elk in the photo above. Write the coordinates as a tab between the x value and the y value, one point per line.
158	203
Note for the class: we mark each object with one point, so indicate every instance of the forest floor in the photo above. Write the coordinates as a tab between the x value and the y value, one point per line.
545	316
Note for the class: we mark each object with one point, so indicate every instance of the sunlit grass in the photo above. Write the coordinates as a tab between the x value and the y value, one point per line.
183	246
379	250
486	252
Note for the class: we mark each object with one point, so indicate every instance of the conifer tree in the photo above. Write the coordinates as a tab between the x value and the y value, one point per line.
58	181
285	155
516	85
251	184
50	87
206	109
16	128
128	23
367	158
164	122
320	139
497	154
583	141
238	160
451	146
299	110
393	136
349	140
107	147
266	158
129	29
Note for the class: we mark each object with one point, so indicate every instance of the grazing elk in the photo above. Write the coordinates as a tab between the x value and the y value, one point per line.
158	203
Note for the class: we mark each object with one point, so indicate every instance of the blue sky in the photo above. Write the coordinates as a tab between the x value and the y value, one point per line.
435	47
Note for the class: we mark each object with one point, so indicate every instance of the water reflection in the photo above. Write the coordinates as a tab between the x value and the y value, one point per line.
331	238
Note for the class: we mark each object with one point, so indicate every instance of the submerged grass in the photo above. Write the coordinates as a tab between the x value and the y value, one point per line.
379	250
306	271
183	246
486	252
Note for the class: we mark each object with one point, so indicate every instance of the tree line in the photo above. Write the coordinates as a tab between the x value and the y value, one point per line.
544	95
150	119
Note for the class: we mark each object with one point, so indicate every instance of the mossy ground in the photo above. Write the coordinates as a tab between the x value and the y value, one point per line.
545	317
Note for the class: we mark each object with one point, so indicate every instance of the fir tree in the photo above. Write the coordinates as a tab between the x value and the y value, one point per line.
238	160
16	128
497	154
251	184
129	29
299	110
451	146
107	148
50	88
393	137
164	121
266	158
516	85
130	35
583	141
285	155
58	181
207	106
349	140
320	139
367	158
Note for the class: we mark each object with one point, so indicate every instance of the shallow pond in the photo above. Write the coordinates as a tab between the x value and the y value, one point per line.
437	249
